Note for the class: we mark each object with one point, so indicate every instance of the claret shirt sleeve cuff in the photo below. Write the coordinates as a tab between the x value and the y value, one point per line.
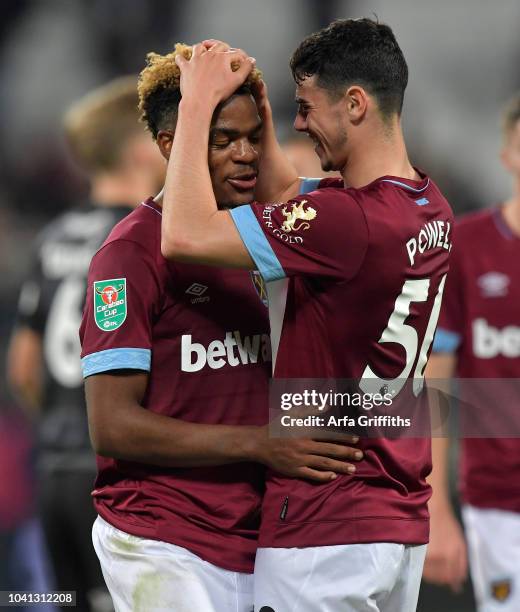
257	244
116	359
445	341
309	184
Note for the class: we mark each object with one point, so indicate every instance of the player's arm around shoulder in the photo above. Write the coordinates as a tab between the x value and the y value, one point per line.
121	428
123	301
215	242
321	233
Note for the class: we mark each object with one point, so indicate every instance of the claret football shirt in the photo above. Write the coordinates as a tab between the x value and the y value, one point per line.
480	323
354	279
202	334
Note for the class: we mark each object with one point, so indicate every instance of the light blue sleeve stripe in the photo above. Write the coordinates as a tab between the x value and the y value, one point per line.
257	244
405	186
445	341
309	184
116	359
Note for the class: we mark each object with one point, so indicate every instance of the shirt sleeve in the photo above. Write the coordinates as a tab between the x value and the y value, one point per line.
122	302
448	336
311	184
321	233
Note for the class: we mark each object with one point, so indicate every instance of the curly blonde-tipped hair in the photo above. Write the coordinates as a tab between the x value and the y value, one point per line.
159	87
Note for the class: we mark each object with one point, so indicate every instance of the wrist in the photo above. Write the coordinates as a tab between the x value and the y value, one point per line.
197	108
251	444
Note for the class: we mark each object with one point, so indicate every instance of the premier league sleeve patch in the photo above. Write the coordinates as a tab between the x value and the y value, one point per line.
110	303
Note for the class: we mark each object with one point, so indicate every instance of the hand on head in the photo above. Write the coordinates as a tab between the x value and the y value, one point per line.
258	87
214	70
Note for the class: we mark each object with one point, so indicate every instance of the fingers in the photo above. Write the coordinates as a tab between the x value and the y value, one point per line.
259	91
244	69
315	475
181	61
463	563
326	464
459	570
237	56
198	50
437	567
433	570
238	59
338	451
446	567
215	45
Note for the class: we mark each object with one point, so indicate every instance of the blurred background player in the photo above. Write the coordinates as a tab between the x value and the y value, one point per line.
176	385
123	167
479	337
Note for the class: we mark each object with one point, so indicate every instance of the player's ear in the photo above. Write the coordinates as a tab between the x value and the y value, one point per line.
356	103
165	142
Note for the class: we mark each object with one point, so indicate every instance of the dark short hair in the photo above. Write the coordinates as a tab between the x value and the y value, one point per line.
355	51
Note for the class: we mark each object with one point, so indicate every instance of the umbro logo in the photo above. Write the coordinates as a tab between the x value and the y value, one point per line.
494	284
198	290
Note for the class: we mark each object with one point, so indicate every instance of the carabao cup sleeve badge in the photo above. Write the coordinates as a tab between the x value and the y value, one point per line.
110	303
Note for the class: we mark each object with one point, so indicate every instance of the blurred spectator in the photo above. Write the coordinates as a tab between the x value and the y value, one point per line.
124	167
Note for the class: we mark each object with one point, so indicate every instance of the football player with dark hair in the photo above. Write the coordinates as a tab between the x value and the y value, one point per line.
354	279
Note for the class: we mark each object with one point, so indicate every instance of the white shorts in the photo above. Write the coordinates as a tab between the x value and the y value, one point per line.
494	556
152	576
350	578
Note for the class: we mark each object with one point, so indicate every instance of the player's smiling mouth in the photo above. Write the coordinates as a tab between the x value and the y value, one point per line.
243	182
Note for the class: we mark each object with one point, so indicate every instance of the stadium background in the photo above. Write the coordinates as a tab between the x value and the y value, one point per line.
463	58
